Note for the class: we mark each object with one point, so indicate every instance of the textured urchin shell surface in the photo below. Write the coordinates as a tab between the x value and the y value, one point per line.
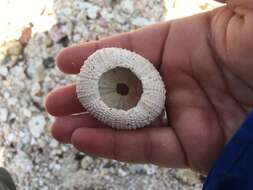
141	98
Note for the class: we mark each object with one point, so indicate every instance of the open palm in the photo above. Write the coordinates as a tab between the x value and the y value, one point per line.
206	62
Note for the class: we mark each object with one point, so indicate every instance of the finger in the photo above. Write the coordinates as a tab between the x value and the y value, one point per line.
157	145
63	101
148	42
63	127
236	3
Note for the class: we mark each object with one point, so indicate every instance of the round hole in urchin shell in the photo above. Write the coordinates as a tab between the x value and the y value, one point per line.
120	88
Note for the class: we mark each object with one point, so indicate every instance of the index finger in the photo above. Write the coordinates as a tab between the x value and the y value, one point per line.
148	42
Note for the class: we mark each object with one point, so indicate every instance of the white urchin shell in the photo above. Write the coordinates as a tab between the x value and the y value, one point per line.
121	88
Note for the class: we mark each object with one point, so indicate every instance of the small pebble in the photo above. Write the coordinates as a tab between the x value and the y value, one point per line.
86	162
2	57
92	10
3	114
140	21
22	162
127	6
54	144
138	168
36	70
35	89
48	63
13	48
3	71
57	33
11	137
25	35
12	101
64	41
188	176
36	125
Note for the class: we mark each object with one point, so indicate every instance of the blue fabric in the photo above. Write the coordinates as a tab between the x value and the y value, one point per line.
234	169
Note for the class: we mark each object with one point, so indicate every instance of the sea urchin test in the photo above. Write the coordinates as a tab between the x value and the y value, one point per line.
121	88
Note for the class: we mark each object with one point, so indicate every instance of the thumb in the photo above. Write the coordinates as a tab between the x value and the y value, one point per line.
236	3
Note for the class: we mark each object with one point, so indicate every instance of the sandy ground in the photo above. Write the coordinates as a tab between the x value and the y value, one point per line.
31	33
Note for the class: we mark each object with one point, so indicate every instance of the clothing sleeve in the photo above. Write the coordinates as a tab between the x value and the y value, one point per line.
234	169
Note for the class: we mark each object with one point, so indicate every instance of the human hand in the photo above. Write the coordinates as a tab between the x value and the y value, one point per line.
206	62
